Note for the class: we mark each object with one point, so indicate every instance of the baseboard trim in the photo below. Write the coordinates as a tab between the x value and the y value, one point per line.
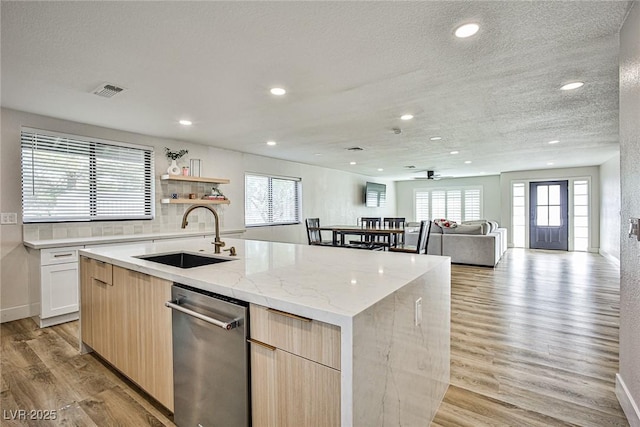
628	404
15	313
56	320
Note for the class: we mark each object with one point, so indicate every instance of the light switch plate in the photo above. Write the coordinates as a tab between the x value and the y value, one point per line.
9	218
634	228
418	316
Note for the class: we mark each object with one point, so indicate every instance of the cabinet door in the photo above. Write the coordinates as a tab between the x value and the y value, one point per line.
59	289
290	391
143	332
156	340
102	318
126	323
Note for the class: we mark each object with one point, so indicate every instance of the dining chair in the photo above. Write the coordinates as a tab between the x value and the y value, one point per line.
423	241
368	222
395	222
315	236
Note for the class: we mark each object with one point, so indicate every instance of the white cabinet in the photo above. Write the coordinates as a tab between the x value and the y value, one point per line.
54	272
59	286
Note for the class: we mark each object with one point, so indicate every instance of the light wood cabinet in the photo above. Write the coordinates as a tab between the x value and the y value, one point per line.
147	354
290	384
97	302
123	318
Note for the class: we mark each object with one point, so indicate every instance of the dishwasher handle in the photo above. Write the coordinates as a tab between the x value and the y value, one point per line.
175	305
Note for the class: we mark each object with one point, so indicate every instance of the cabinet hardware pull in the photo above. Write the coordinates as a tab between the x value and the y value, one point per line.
261	344
62	255
293	316
175	305
99	262
102	281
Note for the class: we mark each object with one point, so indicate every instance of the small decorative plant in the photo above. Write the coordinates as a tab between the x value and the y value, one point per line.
174	155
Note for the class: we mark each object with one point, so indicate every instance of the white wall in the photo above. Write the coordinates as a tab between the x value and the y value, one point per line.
334	196
610	209
628	381
490	194
590	173
331	195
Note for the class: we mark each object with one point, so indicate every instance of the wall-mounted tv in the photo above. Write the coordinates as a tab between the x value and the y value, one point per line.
375	195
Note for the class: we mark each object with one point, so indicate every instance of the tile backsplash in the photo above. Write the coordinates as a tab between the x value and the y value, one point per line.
168	218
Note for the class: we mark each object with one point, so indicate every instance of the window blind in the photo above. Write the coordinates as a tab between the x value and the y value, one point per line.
69	178
453	204
422	206
438	204
271	200
472	205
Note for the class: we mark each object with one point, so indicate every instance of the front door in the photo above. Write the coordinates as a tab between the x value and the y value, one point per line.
549	217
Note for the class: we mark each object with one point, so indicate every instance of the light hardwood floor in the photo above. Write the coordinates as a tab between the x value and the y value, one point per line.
534	342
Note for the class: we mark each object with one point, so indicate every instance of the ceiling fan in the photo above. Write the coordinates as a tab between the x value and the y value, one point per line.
430	175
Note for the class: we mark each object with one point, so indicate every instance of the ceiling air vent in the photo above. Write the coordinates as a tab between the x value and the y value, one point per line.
355	149
107	90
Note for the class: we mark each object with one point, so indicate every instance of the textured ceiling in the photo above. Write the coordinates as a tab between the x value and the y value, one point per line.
350	68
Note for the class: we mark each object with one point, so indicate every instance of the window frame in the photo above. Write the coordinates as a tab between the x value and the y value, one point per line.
270	177
88	147
463	200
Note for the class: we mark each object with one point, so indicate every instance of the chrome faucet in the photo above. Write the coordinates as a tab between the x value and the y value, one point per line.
217	242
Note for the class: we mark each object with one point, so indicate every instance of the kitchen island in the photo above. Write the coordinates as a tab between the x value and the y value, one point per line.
392	311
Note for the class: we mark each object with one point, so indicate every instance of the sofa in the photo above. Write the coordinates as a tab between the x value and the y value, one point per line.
480	242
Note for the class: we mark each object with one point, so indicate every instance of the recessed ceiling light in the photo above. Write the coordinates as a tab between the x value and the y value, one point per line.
555	141
185	122
271	143
468	161
572	85
435	138
380	169
466	30
317	154
406	117
454	152
278	91
549	163
352	163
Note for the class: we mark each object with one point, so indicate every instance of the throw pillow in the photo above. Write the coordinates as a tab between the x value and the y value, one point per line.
445	223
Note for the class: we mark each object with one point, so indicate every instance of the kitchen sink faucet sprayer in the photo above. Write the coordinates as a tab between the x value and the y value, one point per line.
217	242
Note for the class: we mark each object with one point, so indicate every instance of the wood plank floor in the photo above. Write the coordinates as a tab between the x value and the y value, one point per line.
534	342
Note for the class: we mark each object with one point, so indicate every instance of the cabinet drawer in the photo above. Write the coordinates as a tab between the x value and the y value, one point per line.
101	271
304	337
59	255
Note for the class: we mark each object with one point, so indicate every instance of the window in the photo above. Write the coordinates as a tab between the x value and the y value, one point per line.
271	200
459	204
518	217
68	178
581	215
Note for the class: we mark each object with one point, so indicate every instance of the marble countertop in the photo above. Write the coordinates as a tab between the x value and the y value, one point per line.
79	241
328	284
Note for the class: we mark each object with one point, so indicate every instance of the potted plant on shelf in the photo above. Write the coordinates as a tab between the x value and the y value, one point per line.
174	156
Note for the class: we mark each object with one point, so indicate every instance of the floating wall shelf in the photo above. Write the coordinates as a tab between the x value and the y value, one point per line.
194	179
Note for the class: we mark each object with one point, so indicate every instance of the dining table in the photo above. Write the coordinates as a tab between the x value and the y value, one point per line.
371	233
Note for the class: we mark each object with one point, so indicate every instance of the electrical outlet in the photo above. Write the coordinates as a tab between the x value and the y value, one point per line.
9	218
418	316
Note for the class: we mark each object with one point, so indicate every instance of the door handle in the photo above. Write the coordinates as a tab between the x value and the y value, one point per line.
175	305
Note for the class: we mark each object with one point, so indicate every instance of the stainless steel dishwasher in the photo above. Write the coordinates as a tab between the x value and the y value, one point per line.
210	359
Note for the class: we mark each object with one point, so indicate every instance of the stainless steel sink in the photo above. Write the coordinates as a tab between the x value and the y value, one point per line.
183	259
